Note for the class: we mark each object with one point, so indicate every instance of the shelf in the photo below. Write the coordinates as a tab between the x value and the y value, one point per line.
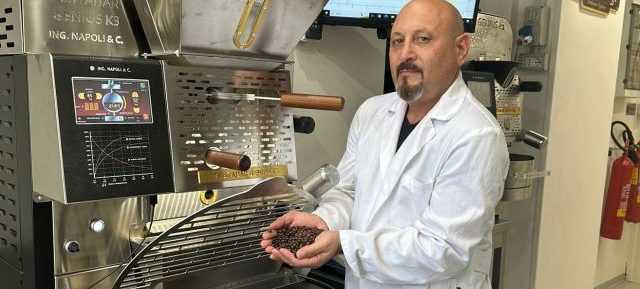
629	93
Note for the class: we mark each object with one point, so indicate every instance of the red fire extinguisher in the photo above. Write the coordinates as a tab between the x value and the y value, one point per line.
620	185
633	207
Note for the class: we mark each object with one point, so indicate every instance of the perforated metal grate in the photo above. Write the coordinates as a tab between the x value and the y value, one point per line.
260	129
9	212
509	108
223	234
10	27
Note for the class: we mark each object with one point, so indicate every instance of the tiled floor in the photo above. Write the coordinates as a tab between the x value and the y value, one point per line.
627	285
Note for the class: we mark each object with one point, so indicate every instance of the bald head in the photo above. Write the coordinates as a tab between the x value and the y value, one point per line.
427	47
448	15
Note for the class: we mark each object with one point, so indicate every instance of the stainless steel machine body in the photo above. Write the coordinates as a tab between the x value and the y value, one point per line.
91	28
255	34
103	152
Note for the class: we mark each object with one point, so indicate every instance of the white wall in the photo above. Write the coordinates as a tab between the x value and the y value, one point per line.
348	62
613	256
584	69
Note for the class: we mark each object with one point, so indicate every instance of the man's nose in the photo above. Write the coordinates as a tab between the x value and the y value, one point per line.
407	53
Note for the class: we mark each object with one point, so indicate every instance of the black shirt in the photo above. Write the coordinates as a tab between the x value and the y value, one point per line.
405	131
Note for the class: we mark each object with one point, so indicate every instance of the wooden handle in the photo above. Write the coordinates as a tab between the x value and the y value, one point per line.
335	103
228	160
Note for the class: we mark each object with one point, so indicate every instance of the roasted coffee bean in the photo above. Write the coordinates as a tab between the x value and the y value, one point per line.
294	238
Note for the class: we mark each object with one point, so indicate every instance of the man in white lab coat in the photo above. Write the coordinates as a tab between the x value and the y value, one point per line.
422	172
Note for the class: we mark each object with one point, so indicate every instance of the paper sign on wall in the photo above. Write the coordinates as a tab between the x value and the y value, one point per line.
602	7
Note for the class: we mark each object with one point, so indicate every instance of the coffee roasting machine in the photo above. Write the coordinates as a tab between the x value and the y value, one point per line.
147	143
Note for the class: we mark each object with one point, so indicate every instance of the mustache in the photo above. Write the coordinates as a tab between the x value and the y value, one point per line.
408	66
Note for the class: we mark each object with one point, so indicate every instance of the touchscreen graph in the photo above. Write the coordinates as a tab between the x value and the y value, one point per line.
118	154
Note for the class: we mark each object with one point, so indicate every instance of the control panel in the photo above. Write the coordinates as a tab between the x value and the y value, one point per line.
113	128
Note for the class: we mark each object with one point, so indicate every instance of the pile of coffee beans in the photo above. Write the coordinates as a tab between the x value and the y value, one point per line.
294	238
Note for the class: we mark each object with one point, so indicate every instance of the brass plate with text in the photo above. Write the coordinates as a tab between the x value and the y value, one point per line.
260	172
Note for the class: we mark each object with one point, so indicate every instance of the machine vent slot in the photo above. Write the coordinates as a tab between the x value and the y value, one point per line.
9	30
9	206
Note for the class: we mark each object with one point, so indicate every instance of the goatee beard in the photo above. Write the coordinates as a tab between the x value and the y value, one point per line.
410	93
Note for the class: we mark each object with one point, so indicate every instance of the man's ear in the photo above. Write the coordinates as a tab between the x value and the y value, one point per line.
463	44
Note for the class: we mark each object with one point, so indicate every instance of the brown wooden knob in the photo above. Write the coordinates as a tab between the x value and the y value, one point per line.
228	160
335	103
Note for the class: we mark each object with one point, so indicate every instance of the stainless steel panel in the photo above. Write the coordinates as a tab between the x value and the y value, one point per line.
171	208
235	62
500	240
89	278
520	168
109	247
46	153
209	27
517	194
10	276
11	32
161	22
96	28
322	180
518	185
177	205
260	129
212	279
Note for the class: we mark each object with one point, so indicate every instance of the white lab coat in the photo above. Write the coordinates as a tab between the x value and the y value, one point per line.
421	217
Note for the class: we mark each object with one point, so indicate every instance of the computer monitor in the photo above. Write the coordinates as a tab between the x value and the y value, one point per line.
363	12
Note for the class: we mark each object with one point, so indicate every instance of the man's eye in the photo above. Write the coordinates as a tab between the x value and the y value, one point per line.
396	42
422	39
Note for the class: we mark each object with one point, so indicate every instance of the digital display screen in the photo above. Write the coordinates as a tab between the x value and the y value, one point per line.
112	101
362	8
